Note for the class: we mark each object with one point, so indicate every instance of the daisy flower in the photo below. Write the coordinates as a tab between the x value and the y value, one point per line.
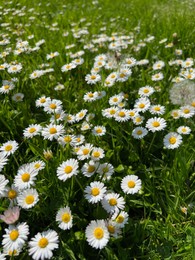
185	130
158	65
27	198
110	112
176	113
90	96
38	165
84	151
99	130
3	160
105	170
40	102
122	115
64	218
57	116
120	218
137	119
67	169
18	97
172	140
146	91
70	118
14	68
9	147
97	234
15	236
7	87
3	183
52	55
157	77
92	78
42	245
97	153
95	192
139	132
52	106
52	131
114	100
67	139
157	109
68	67
25	177
130	62
131	184
88	169
187	111
32	130
80	115
11	193
142	104
79	139
112	201
156	124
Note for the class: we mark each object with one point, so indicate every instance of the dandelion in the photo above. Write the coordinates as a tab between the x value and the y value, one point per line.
139	132
95	192
64	218
172	140
130	184
9	148
42	245
27	198
52	131
15	236
97	234
112	202
67	169
156	124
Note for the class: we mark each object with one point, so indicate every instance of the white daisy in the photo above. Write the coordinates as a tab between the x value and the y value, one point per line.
18	97
92	78
97	153
97	234
185	130
142	104
112	201
157	77
88	169
9	147
131	184
99	130
64	218
156	124
84	151
3	183
52	106
110	112
122	115
139	132
157	109
67	169
95	192
32	130
40	102
42	245
15	236
187	111
172	140
105	170
137	119
113	229
120	218
52	131
3	160
146	91
28	198
68	67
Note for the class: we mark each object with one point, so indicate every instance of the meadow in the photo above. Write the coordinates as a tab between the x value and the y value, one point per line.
97	109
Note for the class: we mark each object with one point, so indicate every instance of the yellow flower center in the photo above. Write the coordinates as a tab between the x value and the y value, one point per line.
172	140
37	165
53	106
121	75
68	169
156	124
138	119
113	202
131	184
98	233
91	168
25	177
139	132
85	151
121	114
8	147
157	108
12	252
29	199
93	77
67	139
66	217
193	104
98	131
32	130
146	90
14	234
6	87
95	191
42	100
90	95
12	194
112	111
105	169
120	219
183	130
115	99
96	154
141	105
131	113
52	130
57	116
186	111
111	229
43	242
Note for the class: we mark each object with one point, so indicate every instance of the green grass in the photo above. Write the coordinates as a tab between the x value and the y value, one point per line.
157	228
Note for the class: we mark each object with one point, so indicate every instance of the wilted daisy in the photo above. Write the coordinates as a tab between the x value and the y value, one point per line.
27	198
130	184
99	130
11	215
97	234
25	177
3	160
142	104
3	183
42	245
64	218
15	236
156	124
32	130
92	78
172	140
139	132
52	131
112	201
157	109
89	168
105	170
67	169
18	97
95	192
97	153
185	130
146	91
9	147
187	111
